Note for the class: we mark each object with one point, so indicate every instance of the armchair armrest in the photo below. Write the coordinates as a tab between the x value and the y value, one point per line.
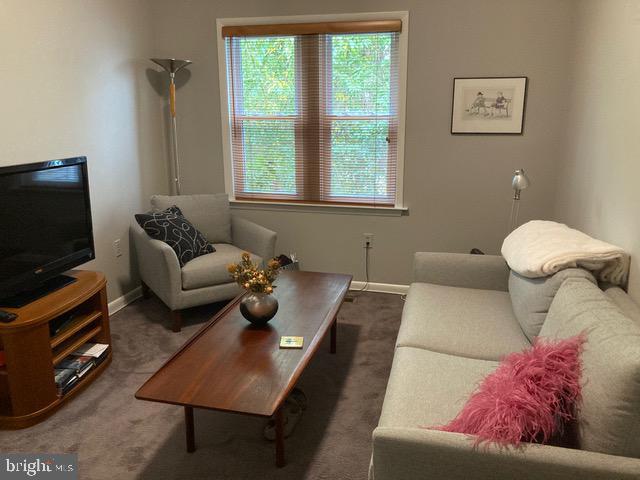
413	453
253	237
489	272
158	265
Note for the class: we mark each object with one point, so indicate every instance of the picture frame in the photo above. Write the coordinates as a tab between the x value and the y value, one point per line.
488	105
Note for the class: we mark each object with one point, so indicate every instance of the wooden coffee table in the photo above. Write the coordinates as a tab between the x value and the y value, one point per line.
231	366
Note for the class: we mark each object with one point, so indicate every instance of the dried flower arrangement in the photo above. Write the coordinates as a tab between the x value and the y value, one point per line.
251	278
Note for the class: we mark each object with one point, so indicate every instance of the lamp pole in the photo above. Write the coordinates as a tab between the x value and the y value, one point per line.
172	66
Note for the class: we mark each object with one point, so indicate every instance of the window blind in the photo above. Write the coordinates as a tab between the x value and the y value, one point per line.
313	116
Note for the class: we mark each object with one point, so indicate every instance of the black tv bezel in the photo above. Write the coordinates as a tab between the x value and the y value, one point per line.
35	278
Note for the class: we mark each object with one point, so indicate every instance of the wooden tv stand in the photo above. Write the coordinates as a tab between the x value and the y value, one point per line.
28	392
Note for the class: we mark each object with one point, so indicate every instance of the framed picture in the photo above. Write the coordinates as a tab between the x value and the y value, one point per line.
488	105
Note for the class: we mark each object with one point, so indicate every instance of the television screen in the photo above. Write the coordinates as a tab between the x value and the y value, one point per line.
45	221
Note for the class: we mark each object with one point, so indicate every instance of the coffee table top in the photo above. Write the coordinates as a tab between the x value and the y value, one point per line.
232	366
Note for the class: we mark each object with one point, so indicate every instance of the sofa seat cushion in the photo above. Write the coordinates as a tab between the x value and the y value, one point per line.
211	269
428	389
460	321
528	398
609	418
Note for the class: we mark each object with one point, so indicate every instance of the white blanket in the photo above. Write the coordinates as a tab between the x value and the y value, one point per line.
540	248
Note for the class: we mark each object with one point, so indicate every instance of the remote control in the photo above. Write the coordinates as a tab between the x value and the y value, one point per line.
6	317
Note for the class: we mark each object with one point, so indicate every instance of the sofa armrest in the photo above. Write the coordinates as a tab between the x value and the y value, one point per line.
488	272
414	453
158	265
253	237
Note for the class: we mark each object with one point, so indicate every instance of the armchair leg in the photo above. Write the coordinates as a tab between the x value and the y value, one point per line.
176	319
146	291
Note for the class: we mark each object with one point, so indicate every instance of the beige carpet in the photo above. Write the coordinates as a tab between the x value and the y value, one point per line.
117	436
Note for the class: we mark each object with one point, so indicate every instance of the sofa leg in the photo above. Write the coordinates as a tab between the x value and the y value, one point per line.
146	291
176	320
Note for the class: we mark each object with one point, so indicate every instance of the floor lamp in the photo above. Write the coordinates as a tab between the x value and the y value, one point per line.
520	182
172	66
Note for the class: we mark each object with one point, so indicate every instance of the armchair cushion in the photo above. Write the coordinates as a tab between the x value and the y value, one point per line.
209	213
172	228
211	269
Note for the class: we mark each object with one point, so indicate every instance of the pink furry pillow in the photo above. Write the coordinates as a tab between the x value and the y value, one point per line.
529	396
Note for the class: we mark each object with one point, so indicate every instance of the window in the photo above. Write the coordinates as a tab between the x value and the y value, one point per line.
313	112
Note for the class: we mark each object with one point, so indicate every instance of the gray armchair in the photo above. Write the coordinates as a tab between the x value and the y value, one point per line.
204	279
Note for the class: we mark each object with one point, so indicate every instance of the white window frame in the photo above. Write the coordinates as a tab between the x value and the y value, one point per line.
403	42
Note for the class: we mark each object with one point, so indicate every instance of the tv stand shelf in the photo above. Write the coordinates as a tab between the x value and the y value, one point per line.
77	325
28	391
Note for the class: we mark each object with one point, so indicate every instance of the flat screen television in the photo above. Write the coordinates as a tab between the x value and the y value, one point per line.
45	227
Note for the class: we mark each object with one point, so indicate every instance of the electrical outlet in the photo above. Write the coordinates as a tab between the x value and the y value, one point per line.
368	240
117	250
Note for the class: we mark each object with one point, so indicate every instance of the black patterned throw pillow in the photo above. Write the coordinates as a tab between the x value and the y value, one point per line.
171	227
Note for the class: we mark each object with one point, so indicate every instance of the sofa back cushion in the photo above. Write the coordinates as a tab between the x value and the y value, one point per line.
609	418
624	302
532	297
208	213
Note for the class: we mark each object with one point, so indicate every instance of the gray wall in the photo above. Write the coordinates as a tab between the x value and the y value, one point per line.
73	84
456	187
599	184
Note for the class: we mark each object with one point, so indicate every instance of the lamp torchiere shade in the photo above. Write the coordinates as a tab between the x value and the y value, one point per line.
172	66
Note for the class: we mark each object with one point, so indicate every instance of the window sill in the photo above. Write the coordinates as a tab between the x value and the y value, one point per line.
310	207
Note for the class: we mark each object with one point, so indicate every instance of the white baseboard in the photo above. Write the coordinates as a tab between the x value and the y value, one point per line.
380	287
121	302
129	297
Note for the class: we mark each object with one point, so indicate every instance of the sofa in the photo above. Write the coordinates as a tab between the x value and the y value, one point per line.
204	279
463	313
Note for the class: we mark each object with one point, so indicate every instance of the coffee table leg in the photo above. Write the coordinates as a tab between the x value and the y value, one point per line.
280	438
334	331
188	420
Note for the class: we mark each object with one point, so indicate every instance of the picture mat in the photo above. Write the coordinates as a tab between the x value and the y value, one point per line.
488	120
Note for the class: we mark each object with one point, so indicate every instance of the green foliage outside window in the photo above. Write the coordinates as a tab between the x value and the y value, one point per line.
361	70
269	156
361	79
268	75
362	147
360	86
